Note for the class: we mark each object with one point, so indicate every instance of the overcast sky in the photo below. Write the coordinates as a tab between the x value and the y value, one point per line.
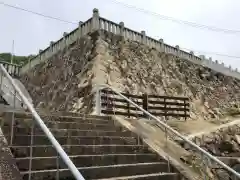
31	32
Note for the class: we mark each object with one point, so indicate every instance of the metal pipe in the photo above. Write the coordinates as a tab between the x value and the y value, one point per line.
19	99
47	132
175	132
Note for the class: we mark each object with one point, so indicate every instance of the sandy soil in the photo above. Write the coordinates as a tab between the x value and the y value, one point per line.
156	139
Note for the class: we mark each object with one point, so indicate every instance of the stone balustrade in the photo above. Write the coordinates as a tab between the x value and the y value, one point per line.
96	23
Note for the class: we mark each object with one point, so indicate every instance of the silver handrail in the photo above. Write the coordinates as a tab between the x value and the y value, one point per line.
12	92
214	159
47	132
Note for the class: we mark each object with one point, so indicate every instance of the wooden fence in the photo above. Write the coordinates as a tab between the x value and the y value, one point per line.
112	104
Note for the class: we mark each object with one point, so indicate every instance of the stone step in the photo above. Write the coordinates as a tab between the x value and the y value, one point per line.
67	118
63	115
41	163
105	120
65	125
66	132
48	150
25	140
99	172
154	176
86	126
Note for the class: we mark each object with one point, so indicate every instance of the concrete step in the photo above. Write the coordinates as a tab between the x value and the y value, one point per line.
99	172
62	115
154	176
69	119
66	132
98	120
41	163
48	150
82	126
25	140
65	125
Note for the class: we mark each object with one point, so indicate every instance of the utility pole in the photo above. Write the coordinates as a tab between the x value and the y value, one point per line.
12	54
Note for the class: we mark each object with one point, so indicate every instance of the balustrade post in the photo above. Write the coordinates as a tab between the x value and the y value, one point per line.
161	45
121	29
64	40
80	28
144	38
178	50
40	55
95	20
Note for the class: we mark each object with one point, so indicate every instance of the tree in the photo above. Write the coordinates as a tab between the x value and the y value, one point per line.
20	60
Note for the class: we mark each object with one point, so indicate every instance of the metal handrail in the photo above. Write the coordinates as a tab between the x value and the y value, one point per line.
45	129
12	92
214	159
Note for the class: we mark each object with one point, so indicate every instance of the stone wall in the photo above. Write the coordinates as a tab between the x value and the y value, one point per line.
57	84
65	81
223	142
137	68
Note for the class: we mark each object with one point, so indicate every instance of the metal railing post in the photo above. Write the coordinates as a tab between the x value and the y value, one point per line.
57	163
13	118
31	152
12	128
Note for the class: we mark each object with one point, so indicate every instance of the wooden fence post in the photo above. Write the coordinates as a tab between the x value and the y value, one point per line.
165	108
185	109
128	107
145	103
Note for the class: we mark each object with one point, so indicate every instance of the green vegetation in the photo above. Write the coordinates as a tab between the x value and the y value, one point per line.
20	60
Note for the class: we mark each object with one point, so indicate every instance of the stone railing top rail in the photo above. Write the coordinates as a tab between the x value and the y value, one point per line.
65	35
8	63
12	69
96	22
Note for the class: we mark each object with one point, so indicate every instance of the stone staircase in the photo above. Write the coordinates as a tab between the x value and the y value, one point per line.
98	146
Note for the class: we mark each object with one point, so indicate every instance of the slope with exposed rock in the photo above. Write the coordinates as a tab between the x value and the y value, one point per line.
66	80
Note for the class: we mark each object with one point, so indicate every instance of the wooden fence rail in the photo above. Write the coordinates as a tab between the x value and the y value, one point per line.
165	106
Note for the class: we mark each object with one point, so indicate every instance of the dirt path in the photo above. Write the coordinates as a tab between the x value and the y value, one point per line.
156	139
193	128
214	128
